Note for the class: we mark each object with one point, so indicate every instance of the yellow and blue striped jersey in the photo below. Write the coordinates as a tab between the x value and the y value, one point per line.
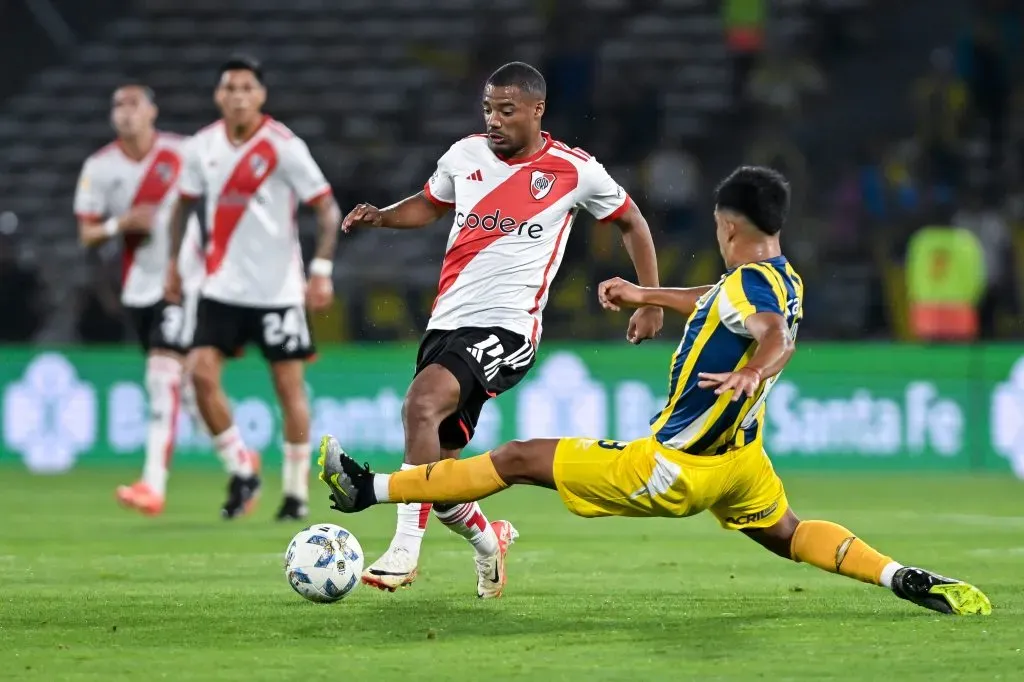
695	420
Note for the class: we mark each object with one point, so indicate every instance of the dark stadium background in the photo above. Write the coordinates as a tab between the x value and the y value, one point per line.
665	93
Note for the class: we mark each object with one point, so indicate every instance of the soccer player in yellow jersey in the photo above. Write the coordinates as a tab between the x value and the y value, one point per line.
705	450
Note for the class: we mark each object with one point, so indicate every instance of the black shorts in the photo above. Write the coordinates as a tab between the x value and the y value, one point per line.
161	326
486	361
282	333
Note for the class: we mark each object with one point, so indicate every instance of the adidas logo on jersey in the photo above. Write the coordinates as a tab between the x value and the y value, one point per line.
476	175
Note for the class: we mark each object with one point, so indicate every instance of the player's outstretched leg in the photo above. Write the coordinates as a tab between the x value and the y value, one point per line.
240	462
354	487
835	549
163	388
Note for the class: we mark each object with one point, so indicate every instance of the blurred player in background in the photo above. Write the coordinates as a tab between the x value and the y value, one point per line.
515	192
127	191
251	169
705	451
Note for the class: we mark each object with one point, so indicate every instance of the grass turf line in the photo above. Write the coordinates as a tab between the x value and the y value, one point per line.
92	592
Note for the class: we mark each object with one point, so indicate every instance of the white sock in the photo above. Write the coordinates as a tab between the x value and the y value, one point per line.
412	523
295	472
233	453
888	572
163	384
469	521
380	487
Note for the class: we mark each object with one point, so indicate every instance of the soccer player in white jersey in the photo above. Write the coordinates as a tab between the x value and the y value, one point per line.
251	170
515	192
126	191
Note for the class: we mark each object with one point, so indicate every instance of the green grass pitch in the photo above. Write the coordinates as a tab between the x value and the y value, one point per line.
91	592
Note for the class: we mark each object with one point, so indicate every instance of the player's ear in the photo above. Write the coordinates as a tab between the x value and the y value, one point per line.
540	108
734	228
728	228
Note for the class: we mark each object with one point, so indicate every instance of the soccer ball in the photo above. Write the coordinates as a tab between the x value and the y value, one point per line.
323	563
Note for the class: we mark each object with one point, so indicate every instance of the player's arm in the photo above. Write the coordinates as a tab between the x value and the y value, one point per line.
95	225
410	213
750	306
191	186
607	201
136	220
320	289
328	215
421	209
775	346
775	343
636	237
617	293
183	208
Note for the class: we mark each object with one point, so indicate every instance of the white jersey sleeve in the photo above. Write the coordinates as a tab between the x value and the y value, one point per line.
599	194
192	181
440	188
301	172
90	195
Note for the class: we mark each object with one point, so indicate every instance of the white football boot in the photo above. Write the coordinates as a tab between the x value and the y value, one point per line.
490	570
395	568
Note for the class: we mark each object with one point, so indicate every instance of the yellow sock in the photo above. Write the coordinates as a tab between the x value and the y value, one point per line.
835	549
447	482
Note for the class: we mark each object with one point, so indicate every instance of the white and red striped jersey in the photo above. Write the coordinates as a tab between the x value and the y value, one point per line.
512	222
252	251
110	184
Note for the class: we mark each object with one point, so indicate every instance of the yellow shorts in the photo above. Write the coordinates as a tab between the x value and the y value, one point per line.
644	478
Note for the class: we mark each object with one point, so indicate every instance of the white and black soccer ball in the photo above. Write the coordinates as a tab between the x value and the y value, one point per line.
323	563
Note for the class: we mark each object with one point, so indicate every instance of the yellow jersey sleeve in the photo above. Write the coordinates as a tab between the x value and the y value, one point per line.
748	290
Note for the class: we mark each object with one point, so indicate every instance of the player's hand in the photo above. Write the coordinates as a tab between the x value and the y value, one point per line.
172	286
616	292
645	324
138	219
743	383
319	293
363	214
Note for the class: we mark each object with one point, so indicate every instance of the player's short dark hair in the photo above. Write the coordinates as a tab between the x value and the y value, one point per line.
242	62
146	91
520	75
760	194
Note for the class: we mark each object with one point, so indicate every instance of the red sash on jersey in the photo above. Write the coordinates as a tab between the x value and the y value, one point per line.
158	179
515	197
255	166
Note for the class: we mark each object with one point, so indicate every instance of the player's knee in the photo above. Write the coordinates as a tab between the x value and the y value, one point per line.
433	395
205	373
513	462
422	409
162	372
778	538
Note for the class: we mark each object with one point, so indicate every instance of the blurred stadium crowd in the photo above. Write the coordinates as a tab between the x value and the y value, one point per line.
887	117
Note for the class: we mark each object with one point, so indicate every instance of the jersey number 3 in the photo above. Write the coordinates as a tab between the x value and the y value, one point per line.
172	322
